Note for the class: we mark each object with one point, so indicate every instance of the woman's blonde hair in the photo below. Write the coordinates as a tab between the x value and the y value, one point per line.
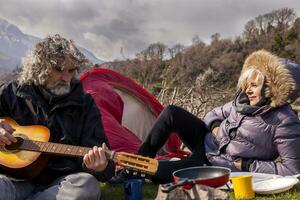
247	74
47	54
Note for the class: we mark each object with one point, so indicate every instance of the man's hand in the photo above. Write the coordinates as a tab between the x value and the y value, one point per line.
95	159
6	131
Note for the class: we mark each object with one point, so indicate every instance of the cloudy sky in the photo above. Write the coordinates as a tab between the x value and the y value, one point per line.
107	26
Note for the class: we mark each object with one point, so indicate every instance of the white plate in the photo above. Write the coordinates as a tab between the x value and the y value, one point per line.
256	177
273	186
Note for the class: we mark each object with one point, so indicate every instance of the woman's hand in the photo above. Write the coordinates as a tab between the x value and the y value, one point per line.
215	130
238	164
6	131
95	159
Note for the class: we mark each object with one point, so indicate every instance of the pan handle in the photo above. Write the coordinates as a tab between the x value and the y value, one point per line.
171	186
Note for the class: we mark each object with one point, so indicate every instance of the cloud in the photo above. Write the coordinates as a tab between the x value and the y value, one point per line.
106	27
107	48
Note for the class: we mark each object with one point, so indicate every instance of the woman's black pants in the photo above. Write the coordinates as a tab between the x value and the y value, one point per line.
190	129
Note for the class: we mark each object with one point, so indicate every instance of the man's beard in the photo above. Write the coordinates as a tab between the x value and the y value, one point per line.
59	88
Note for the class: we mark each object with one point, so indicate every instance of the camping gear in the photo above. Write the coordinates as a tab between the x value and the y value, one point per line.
128	111
243	187
266	183
256	177
206	175
199	192
133	189
276	185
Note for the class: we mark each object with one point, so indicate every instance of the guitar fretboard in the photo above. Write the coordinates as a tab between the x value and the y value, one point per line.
137	162
56	148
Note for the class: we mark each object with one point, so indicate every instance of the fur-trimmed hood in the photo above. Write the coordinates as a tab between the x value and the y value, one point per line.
281	76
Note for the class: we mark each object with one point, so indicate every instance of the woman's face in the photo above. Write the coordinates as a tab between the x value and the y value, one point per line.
253	89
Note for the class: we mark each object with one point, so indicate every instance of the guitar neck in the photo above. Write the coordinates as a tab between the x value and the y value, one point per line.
58	149
136	162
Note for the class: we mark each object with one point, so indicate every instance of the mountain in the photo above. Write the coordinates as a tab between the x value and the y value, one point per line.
14	44
89	55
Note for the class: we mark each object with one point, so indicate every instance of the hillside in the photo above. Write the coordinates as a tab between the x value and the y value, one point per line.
202	76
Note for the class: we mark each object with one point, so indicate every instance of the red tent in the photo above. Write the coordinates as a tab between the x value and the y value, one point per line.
128	110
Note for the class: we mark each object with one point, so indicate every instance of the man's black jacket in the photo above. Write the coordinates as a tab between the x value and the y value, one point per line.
72	119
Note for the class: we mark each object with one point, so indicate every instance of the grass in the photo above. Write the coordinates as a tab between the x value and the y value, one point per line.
149	192
116	192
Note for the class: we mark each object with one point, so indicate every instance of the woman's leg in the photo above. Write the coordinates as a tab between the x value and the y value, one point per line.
190	129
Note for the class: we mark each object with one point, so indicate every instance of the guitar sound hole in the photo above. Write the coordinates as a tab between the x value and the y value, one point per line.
15	146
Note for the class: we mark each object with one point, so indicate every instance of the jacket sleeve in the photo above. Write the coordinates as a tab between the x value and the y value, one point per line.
1	100
287	142
217	115
4	94
94	135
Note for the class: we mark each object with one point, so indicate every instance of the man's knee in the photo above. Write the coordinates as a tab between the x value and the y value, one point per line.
6	188
3	178
86	185
91	183
77	186
5	183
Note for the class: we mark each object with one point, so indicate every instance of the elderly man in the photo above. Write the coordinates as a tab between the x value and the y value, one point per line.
49	93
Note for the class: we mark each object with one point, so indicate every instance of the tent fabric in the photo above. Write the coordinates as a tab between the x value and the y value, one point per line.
128	110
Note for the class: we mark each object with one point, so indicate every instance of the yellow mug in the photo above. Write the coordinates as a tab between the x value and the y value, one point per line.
242	186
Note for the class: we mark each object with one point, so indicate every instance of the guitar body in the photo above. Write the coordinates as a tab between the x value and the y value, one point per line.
23	159
21	163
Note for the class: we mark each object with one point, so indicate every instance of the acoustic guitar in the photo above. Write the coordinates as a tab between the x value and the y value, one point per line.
23	159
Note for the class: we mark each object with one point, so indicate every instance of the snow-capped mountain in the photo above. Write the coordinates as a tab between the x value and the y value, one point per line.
14	44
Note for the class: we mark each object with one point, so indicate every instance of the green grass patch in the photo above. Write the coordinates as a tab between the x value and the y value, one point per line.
116	192
111	192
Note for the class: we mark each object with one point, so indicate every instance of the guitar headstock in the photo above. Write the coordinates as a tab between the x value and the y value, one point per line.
139	163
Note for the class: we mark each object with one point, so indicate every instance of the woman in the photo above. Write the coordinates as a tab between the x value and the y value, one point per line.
258	131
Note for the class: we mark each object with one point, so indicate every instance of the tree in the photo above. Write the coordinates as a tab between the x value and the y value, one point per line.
278	43
196	40
250	31
284	17
154	51
175	50
215	37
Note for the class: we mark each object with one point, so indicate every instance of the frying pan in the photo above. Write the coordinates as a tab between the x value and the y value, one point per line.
206	175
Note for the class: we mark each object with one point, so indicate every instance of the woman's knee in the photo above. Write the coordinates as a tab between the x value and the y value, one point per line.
171	109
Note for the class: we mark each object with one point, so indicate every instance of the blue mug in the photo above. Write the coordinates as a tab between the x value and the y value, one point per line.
133	189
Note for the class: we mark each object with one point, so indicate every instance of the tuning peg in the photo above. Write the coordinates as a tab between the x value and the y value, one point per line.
127	171
143	175
135	173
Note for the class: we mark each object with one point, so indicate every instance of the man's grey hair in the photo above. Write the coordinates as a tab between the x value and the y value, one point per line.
247	74
47	54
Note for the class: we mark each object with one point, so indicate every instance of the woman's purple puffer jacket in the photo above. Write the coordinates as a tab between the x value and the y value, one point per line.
264	137
269	137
